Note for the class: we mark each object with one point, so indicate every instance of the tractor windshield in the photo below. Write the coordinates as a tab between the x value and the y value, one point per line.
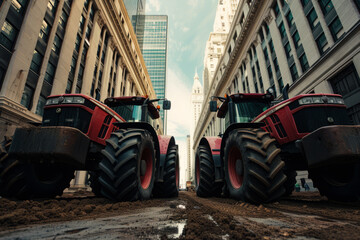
130	113
246	111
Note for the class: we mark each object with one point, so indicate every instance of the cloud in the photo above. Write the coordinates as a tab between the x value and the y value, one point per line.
153	4
179	93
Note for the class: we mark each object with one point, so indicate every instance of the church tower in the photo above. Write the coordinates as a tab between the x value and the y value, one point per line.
197	97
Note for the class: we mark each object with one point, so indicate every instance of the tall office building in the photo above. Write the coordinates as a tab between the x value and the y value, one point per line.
135	9
197	98
153	40
216	43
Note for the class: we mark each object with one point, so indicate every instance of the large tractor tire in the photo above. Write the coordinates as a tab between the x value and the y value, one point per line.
290	182
23	180
205	174
128	166
253	168
338	182
170	185
94	183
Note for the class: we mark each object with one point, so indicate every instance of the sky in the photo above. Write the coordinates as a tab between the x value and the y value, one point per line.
189	26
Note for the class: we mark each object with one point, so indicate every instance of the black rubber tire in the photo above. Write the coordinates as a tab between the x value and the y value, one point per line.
254	153
120	167
23	180
94	183
170	185
205	185
338	182
290	182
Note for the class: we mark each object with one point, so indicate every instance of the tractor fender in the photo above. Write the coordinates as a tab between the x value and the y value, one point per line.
214	143
165	143
145	126
233	127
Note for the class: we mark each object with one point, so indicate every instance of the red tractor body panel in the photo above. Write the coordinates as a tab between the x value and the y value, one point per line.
102	117
279	119
214	144
164	142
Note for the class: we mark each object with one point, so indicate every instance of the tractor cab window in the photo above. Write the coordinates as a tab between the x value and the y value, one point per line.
246	111
130	113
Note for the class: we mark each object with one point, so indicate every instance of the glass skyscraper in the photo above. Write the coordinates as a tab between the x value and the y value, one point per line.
135	9
152	38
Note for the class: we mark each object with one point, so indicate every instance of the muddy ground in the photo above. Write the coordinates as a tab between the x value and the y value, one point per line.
304	215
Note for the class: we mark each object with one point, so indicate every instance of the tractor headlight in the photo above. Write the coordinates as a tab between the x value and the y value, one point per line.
321	99
51	101
306	100
79	100
66	100
339	100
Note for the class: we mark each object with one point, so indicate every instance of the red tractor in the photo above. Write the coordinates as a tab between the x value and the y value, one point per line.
115	142
256	158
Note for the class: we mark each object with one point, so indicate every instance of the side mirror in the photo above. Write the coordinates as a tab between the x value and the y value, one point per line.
166	105
213	106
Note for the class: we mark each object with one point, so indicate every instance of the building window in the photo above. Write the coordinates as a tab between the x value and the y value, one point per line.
271	45
288	50
63	19
305	2
326	6
19	6
276	10
312	17
357	2
27	96
40	105
261	35
270	74
304	62
44	31
294	72
276	65
8	35
335	28
321	43
282	30
81	24
296	39
50	73
36	62
290	19
235	36
281	83
52	5
266	55
57	44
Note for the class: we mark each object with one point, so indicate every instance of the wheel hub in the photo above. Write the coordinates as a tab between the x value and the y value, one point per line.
238	167
142	168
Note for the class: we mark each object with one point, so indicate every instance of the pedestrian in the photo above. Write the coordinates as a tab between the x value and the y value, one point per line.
306	186
297	187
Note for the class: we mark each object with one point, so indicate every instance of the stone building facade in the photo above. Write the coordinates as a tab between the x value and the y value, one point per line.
50	47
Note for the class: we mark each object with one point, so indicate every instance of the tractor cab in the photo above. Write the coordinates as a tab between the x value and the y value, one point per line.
241	108
136	109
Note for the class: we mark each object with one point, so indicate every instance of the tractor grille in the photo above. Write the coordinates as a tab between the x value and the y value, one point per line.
309	119
67	116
